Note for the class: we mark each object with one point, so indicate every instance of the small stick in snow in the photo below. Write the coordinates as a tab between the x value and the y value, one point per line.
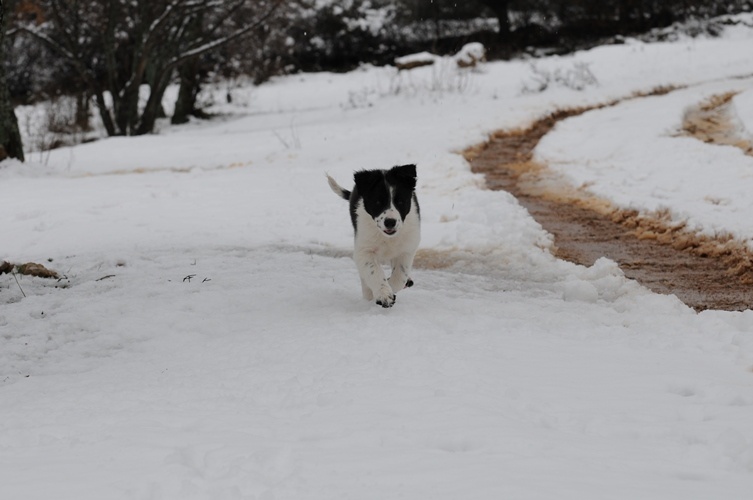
17	283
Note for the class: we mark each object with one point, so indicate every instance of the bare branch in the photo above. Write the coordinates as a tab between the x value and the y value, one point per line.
209	46
56	46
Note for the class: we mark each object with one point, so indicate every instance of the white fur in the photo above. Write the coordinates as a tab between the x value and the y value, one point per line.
373	247
335	187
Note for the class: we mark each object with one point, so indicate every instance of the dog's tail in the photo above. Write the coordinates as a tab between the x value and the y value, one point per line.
338	189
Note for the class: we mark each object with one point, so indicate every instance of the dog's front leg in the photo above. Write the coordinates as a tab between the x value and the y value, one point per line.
401	267
367	293
373	279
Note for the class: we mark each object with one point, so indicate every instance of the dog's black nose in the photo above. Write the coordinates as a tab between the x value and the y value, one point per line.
390	223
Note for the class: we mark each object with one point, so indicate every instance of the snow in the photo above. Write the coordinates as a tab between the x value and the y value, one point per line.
742	106
630	154
208	339
470	54
418	59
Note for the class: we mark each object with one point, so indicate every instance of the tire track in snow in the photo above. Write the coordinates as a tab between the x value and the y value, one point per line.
712	122
661	254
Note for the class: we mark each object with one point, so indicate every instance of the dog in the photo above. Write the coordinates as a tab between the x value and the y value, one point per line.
387	224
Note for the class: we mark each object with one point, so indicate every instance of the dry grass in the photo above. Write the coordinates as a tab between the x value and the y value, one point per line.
28	269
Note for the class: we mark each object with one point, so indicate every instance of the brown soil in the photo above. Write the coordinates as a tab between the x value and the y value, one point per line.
710	122
28	269
703	272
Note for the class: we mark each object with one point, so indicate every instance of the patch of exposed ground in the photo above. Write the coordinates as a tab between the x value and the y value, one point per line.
711	122
703	272
29	269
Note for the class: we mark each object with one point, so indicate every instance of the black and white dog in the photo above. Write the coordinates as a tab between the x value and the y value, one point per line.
387	223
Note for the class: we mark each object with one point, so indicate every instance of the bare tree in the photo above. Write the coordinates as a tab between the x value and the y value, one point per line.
10	138
116	46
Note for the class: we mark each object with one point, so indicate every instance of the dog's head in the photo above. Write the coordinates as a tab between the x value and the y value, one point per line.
387	195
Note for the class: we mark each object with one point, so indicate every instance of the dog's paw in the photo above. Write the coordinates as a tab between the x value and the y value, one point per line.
386	302
409	283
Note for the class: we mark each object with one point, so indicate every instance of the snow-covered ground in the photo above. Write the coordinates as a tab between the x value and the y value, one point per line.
208	339
631	154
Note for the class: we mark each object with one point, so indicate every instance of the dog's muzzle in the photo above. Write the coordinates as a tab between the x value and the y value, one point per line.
390	226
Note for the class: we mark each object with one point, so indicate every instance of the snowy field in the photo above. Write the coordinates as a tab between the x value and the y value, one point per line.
209	340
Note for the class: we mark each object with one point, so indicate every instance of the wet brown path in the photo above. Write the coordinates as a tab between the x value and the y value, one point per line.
702	272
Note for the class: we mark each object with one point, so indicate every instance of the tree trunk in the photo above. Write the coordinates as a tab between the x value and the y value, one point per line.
104	112
501	10
82	112
10	137
153	106
185	105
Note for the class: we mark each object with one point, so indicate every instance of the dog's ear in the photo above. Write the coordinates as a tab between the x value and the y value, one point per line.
366	179
406	174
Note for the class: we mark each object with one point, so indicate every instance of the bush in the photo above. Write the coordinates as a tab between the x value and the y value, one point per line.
578	76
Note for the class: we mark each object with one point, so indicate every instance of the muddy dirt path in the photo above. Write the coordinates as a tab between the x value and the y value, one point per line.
704	273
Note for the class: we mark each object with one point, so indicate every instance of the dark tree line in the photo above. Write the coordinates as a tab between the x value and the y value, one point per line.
10	138
583	18
119	56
